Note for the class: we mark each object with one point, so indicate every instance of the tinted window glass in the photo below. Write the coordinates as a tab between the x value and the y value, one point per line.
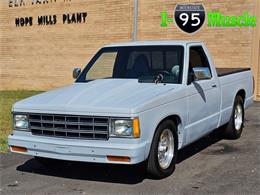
172	59
103	66
198	58
134	62
157	60
133	57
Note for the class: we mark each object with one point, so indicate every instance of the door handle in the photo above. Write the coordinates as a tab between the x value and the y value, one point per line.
214	86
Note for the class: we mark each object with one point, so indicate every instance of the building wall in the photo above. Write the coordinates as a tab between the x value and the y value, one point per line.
256	54
229	47
42	57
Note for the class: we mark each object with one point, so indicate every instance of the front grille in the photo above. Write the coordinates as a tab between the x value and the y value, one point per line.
69	126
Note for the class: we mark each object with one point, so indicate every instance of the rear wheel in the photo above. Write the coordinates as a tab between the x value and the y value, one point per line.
163	153
234	127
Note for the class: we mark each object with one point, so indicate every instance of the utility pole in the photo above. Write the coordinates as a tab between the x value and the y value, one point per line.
135	18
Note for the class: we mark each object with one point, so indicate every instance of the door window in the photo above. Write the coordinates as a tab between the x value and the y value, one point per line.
197	59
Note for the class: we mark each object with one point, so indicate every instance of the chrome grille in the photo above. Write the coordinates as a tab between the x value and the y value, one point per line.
69	126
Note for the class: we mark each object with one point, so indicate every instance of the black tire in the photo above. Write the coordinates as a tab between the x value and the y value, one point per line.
231	131
152	165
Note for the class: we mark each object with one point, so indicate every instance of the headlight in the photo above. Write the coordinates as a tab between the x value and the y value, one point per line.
21	121
125	127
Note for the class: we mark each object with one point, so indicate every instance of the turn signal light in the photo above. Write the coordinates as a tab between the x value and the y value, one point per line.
18	149
119	158
136	128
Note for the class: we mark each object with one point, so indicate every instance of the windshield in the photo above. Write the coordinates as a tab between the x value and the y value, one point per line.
146	63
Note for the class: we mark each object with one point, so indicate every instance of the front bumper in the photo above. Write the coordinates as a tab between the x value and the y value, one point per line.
79	150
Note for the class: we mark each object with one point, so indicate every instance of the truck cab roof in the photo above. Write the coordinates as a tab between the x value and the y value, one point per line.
152	43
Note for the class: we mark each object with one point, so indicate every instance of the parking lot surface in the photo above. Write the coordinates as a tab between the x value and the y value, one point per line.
211	165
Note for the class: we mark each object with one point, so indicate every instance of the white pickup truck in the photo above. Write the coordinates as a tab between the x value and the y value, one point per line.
134	102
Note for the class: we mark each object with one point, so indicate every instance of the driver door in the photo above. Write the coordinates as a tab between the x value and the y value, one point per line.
203	98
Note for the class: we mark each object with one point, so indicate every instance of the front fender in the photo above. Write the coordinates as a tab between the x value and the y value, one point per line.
150	119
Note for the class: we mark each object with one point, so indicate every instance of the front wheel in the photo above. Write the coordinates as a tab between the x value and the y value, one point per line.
234	127
163	153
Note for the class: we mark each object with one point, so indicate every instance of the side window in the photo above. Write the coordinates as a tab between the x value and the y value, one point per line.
198	58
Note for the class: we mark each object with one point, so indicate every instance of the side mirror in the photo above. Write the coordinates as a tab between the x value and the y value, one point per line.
201	73
76	72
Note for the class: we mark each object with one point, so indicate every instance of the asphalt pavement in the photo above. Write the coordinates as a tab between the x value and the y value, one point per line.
211	165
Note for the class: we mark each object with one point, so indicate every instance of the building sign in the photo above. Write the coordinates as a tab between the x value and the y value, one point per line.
22	3
190	18
46	20
217	19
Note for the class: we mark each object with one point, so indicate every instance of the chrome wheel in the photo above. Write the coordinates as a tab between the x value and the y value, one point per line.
238	117
165	149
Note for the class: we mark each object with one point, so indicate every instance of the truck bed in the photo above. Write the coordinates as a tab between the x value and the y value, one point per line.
226	71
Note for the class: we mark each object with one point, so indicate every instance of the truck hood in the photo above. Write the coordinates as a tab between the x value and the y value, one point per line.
105	96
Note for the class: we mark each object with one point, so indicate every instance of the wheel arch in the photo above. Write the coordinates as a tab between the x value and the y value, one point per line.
178	122
242	94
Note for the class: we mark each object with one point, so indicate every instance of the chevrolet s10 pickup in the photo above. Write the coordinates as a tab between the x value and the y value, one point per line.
134	102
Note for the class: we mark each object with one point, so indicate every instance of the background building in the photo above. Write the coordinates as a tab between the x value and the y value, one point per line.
40	43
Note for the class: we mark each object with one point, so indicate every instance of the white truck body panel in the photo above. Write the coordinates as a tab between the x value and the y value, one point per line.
201	107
